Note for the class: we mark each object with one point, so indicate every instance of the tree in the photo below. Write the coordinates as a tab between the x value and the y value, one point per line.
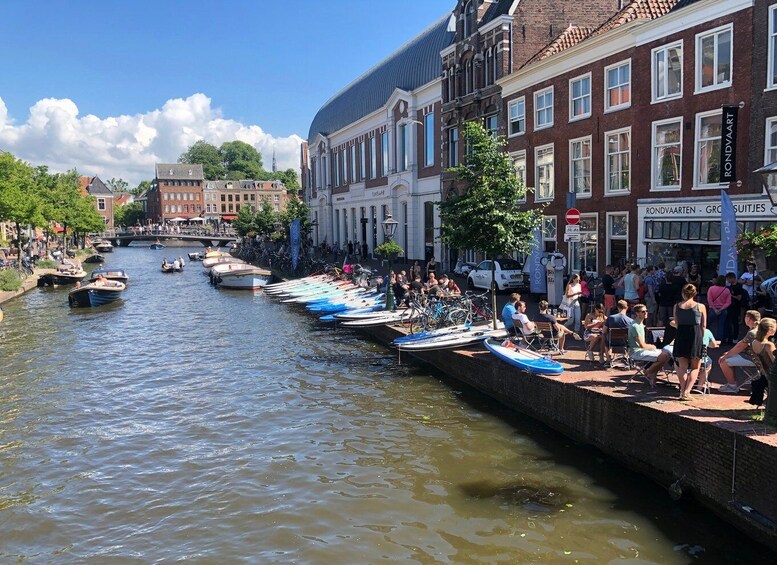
207	155
487	216
244	222
142	186
296	208
19	200
264	220
290	179
129	214
241	160
118	185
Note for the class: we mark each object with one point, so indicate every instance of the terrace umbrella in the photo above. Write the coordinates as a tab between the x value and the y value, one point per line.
178	219
197	219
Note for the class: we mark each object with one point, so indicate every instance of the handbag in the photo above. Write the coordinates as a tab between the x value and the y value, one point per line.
565	306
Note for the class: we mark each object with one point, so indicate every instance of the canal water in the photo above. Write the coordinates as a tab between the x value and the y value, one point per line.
191	423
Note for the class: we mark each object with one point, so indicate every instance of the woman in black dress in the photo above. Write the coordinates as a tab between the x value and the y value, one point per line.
690	319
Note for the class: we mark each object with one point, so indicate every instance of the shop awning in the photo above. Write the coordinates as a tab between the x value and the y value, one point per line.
228	218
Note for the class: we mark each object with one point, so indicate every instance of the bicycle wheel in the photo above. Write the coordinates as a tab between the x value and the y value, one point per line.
457	316
418	323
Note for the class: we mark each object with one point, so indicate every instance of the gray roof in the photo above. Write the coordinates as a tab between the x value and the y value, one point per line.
96	187
179	171
412	65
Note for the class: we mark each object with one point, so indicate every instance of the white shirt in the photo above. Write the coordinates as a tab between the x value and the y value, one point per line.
748	283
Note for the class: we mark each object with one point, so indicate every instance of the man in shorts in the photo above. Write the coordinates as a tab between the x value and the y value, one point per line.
608	286
740	355
640	350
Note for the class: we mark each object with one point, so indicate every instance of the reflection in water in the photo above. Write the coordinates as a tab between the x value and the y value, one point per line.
187	422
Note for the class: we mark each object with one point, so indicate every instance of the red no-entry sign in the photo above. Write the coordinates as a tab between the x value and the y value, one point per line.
573	216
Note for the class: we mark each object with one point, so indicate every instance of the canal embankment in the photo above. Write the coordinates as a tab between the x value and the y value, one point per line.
28	284
711	449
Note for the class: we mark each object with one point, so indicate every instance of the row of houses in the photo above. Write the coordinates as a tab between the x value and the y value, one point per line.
181	191
615	108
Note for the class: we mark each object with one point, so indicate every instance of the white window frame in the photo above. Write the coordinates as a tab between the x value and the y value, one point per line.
403	136
697	59
607	190
384	148
552	189
373	157
572	116
655	96
770	120
590	167
495	130
352	158
607	88
521	119
537	109
575	263
517	157
771	77
701	115
654	187
549	230
610	237
337	167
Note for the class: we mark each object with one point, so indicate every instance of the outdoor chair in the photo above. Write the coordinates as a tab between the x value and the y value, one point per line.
549	337
617	349
532	339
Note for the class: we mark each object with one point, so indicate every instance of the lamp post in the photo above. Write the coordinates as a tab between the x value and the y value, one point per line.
389	226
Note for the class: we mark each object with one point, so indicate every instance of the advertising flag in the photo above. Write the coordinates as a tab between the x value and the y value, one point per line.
294	236
538	283
728	235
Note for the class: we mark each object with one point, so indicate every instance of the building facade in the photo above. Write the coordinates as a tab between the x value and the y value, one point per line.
103	198
224	198
176	192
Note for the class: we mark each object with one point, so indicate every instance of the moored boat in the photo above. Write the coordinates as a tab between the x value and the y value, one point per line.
103	246
170	268
96	293
245	277
210	262
95	258
62	277
119	275
156	245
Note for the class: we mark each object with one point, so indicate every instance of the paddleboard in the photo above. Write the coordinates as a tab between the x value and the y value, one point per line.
461	339
524	359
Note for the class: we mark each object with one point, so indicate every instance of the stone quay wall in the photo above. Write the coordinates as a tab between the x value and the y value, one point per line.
720	463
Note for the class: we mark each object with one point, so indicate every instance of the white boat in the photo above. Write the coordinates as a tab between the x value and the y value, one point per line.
243	277
208	263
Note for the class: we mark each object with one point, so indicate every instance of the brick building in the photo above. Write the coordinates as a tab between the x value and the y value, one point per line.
103	198
224	198
176	192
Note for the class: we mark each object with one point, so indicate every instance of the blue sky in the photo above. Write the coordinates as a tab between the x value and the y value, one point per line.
260	64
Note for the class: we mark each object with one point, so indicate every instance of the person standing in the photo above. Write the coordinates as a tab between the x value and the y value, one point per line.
748	282
572	294
718	301
415	271
608	287
690	319
738	298
350	248
431	267
630	283
669	293
585	298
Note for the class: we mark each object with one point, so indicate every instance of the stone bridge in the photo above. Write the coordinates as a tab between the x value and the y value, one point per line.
125	238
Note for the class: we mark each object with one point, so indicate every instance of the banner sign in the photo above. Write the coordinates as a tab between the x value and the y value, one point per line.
538	283
728	144
728	234
294	237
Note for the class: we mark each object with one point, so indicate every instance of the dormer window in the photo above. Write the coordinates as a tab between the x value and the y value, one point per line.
190	172
171	172
469	18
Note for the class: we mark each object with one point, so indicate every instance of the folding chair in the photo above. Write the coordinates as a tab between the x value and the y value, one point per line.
617	338
532	339
549	337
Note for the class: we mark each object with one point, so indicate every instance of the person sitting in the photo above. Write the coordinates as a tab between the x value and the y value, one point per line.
593	324
451	288
416	288
740	355
561	331
617	320
509	311
165	264
525	326
639	349
763	357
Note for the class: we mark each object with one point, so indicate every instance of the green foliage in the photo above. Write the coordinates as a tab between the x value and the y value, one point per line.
207	155
487	217
387	248
764	239
20	200
261	222
143	185
10	280
46	264
244	222
129	214
296	208
290	179
241	160
118	185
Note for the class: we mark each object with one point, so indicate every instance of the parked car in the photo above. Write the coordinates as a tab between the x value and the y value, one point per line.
463	268
509	275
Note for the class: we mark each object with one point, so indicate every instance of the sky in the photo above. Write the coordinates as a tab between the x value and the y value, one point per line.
111	88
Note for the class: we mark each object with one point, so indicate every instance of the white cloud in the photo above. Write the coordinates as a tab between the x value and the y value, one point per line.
128	146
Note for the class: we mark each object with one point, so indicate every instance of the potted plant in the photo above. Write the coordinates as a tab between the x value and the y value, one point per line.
389	250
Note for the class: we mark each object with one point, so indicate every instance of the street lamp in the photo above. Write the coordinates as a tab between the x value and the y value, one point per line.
389	226
768	175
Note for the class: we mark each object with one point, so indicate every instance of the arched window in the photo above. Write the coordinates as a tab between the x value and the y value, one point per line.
469	18
487	62
494	67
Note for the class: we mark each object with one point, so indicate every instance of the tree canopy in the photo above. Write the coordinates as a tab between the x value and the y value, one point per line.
128	214
207	155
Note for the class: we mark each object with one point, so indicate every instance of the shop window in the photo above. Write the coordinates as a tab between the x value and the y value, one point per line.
517	112
543	108
714	231
543	157
580	166
668	71
694	230
580	97
617	86
707	154
667	154
714	53
674	232
704	233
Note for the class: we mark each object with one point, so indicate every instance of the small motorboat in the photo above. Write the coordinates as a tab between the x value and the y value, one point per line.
119	275
62	277
95	258
196	256
210	262
96	293
156	245
241	276
103	246
171	267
